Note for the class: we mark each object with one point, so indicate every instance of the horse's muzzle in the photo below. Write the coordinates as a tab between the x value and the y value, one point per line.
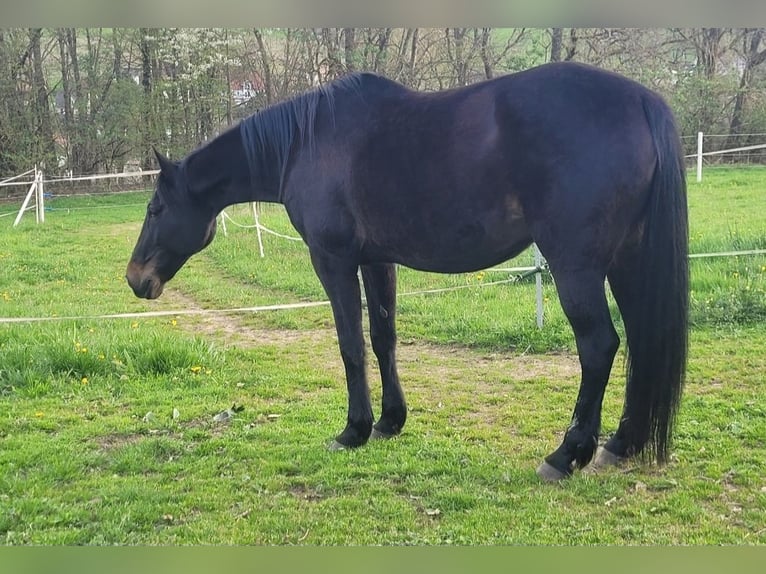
145	284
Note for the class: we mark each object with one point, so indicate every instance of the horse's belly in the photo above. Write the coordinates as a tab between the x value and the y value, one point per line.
453	247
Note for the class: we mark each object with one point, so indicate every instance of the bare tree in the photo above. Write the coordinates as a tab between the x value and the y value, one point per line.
349	48
460	51
66	83
489	51
405	47
18	142
44	129
753	54
266	66
147	84
708	47
376	49
712	76
331	67
556	43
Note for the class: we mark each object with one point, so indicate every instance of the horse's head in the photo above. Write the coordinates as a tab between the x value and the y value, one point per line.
177	225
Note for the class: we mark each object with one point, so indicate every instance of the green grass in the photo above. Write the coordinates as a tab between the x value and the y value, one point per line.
490	395
726	215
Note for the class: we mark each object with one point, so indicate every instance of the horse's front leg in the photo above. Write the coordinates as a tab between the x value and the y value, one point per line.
341	283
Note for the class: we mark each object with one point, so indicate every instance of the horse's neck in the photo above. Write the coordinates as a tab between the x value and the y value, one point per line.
219	173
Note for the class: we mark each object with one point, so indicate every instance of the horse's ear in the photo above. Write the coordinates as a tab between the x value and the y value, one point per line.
167	166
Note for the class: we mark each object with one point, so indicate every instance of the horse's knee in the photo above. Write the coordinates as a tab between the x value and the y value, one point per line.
383	343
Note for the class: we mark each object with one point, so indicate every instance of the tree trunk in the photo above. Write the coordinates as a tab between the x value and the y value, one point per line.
557	37
572	45
349	49
229	118
708	50
268	83
381	54
46	149
146	111
332	61
66	85
455	39
753	57
486	46
413	56
79	141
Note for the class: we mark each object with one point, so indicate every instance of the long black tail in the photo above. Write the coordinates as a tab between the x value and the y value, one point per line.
658	339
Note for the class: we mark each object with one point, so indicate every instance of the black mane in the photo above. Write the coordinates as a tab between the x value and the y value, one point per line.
268	135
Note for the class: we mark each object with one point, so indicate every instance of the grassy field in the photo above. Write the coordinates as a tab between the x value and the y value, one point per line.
107	430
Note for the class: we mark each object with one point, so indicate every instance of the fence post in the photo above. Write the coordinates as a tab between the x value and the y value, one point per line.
32	190
39	201
539	286
699	157
41	187
257	227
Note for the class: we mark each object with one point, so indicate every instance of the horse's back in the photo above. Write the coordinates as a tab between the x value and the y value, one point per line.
549	116
460	179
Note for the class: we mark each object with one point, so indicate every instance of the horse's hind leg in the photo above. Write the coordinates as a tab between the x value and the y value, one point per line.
583	299
380	287
626	288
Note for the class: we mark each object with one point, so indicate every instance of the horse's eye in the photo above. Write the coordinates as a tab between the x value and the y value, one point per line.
153	210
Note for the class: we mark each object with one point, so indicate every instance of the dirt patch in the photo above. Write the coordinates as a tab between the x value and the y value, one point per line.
442	361
307	493
473	388
112	442
229	328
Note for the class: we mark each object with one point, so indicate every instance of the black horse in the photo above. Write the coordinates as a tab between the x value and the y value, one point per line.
584	162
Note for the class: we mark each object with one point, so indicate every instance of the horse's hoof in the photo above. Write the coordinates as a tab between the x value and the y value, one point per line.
548	473
377	435
605	458
335	446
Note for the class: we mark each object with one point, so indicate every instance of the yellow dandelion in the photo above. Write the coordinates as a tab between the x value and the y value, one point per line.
174	322
84	380
134	325
101	356
39	414
196	369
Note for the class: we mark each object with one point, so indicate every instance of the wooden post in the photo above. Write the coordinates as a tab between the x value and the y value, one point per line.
32	190
257	227
539	286
39	201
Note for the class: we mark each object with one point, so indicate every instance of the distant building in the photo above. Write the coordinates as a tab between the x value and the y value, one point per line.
245	86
